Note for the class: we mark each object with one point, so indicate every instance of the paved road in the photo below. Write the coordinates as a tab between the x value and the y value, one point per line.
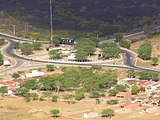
10	53
129	58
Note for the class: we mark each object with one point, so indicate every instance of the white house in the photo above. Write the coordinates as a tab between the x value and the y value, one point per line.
90	114
34	73
72	57
6	63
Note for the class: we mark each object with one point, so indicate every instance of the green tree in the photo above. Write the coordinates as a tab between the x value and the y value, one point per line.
110	50
125	44
2	41
37	45
31	84
107	112
79	95
1	59
21	91
134	90
118	36
81	55
54	98
26	48
131	73
142	89
145	51
155	60
15	75
55	54
112	102
149	75
55	112
3	90
56	40
50	67
16	45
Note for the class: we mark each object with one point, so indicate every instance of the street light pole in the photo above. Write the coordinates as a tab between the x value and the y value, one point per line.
51	23
14	30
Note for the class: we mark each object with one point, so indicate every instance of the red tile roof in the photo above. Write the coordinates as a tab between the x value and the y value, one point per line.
125	104
10	84
146	107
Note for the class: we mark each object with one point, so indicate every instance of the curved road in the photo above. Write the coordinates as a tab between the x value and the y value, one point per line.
9	52
129	61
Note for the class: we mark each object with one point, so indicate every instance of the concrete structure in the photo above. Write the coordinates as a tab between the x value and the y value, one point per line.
6	63
90	114
34	73
72	57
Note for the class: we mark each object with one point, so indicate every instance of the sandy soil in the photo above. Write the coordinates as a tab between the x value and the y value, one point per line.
18	109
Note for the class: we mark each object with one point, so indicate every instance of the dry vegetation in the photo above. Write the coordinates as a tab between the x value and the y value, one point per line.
18	109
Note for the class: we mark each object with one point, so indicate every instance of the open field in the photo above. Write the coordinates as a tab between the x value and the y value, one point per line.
18	109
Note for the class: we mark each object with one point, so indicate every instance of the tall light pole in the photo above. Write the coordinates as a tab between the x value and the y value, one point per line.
14	30
51	23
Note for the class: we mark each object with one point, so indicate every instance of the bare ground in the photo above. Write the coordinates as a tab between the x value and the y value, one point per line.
18	109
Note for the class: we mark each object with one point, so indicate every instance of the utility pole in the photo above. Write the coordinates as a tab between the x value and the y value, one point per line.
14	30
25	29
51	23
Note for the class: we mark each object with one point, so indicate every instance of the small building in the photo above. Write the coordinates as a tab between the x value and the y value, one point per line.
90	114
128	106
124	95
71	57
34	73
6	63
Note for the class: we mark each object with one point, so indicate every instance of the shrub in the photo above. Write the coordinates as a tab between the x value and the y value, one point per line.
112	102
15	75
79	95
55	112
54	98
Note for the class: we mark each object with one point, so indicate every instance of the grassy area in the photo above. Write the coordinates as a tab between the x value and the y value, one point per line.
143	63
155	41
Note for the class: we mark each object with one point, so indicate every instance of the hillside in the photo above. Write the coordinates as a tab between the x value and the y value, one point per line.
106	16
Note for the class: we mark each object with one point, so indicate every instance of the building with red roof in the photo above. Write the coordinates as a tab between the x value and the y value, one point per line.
10	84
124	95
129	106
